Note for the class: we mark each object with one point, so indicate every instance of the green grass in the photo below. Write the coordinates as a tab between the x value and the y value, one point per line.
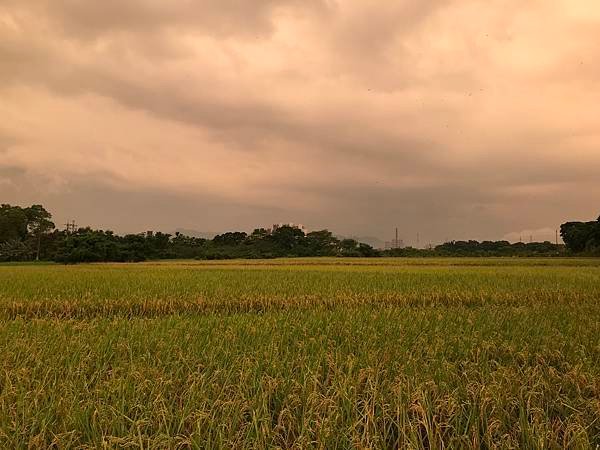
314	353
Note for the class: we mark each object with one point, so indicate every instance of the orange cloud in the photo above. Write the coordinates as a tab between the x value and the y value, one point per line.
461	117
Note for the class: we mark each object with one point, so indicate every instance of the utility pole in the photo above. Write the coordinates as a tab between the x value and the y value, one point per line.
556	233
70	227
417	240
396	242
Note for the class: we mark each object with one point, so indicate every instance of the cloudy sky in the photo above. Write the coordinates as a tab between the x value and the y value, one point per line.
451	118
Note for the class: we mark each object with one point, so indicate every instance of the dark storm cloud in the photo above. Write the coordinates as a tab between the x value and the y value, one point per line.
88	20
451	117
243	120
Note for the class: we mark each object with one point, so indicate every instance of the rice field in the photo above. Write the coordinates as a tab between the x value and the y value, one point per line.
302	353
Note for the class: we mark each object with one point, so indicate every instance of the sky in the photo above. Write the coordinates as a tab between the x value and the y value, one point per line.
453	119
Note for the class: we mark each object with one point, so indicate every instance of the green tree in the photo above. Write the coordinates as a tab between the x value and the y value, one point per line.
14	250
13	223
287	238
322	243
349	247
230	238
258	234
580	236
38	224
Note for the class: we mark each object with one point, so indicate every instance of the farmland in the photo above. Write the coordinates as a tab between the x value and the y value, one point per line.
323	353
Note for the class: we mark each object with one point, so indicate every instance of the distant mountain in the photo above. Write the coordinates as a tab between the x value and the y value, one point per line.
195	233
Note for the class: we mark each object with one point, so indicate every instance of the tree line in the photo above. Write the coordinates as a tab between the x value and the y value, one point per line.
28	234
